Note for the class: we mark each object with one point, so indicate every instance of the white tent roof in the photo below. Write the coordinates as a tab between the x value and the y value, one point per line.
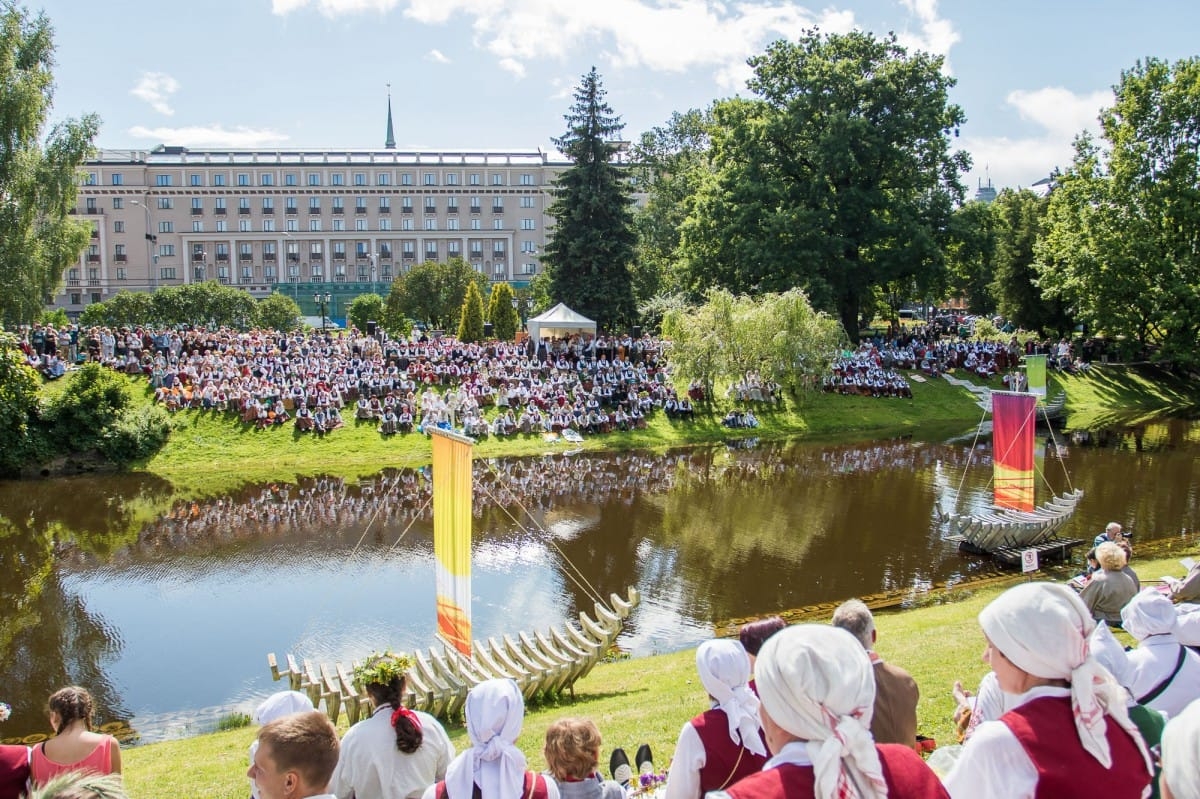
557	321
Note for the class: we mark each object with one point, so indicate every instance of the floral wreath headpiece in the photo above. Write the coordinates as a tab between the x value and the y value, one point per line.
381	668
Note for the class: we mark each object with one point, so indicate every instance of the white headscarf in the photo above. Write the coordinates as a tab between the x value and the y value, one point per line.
494	712
1043	629
280	704
1181	752
816	682
724	670
1149	613
1110	654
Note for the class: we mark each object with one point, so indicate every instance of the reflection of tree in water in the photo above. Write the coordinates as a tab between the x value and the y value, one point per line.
47	637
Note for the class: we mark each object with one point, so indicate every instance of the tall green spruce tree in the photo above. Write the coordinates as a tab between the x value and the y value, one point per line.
592	246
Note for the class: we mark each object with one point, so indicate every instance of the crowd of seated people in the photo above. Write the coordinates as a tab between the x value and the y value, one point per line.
582	383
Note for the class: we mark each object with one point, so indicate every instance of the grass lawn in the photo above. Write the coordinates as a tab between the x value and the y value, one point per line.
643	700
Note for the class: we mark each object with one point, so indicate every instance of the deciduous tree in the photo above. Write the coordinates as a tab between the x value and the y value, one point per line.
279	312
590	250
1122	233
837	178
38	170
365	308
1018	219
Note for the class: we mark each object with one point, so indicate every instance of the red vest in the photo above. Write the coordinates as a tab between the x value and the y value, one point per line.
534	788
724	761
14	771
1045	728
904	771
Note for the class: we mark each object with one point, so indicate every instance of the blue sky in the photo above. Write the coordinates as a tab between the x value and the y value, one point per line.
498	74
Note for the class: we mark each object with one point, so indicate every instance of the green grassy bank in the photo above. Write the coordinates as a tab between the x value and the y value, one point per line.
643	700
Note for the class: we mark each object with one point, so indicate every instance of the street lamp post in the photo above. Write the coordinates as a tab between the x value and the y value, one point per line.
322	300
151	238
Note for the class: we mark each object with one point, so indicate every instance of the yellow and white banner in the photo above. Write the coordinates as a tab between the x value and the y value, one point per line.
452	536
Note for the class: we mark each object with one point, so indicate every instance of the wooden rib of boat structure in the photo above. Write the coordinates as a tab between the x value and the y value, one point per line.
544	664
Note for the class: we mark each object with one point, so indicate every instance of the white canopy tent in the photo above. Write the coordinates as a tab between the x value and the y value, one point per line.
559	321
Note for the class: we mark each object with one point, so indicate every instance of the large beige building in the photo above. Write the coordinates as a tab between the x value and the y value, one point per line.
337	222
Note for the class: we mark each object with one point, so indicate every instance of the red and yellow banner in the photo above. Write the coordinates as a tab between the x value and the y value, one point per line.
452	536
1013	428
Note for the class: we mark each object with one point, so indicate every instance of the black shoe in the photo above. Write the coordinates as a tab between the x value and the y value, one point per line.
644	760
618	764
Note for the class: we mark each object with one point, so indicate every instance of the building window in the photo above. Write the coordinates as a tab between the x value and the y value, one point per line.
337	179
476	224
292	226
247	252
166	273
497	179
314	225
195	180
243	179
122	273
360	224
218	180
385	224
314	178
90	202
339	224
383	179
118	179
407	248
197	226
314	205
526	202
406	205
473	179
453	247
528	246
243	226
406	224
431	224
166	227
197	205
339	205
497	205
243	205
529	269
430	179
385	203
451	224
90	180
289	179
266	179
161	180
339	251
119	249
268	225
360	178
118	226
166	250
452	205
526	179
222	226
497	224
406	179
430	205
75	298
166	203
118	203
289	205
452	179
268	205
527	224
219	205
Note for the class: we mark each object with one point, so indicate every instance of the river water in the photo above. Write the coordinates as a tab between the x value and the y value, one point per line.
166	609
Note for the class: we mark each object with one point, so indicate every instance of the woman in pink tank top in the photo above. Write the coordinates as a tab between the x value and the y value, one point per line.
74	746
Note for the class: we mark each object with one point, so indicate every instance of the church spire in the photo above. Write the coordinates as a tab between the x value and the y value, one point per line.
390	143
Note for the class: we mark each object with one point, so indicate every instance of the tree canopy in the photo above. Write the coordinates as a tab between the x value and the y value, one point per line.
1122	232
38	170
502	312
591	248
433	293
837	177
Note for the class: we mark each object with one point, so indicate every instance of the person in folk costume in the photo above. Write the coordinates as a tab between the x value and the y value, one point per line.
493	767
1067	731
720	746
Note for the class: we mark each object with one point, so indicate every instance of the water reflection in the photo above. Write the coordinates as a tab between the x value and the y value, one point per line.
163	606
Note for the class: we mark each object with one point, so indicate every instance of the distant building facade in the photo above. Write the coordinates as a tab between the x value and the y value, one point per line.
342	222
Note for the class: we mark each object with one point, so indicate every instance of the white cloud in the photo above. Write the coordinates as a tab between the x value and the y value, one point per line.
936	35
210	136
438	56
660	35
156	89
333	8
1060	114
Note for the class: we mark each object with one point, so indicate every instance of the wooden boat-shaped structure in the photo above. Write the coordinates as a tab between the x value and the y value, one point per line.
1014	523
546	664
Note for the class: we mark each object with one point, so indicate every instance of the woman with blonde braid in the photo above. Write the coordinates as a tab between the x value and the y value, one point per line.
74	746
396	752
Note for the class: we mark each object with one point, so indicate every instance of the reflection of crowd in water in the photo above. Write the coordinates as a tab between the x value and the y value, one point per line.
396	497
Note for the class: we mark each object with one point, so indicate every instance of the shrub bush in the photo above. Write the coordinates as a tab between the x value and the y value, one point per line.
136	433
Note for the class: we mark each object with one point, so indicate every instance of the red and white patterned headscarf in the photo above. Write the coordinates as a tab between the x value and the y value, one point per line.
816	682
1043	629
